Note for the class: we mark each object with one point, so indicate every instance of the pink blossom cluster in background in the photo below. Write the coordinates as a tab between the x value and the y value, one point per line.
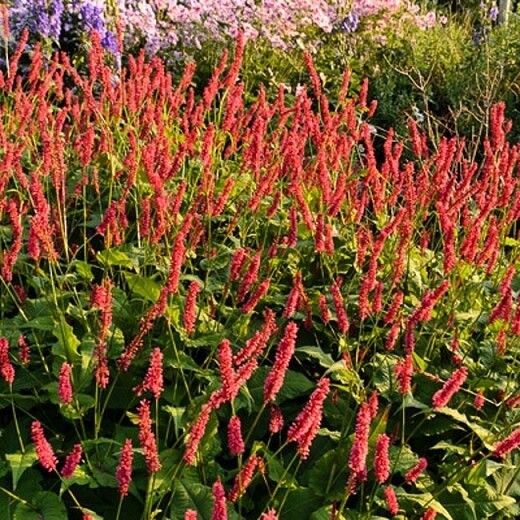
181	25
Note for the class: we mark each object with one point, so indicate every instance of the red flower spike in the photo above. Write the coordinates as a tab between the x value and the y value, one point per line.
443	396
404	373
124	468
197	430
64	384
43	448
415	472
510	443
153	380
72	461
235	441
274	380
306	425
391	500
381	458
219	511
244	478
24	352
430	514
275	419
359	451
147	438
6	368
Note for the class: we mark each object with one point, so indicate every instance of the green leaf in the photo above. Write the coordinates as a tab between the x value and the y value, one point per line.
298	504
116	256
68	343
325	360
483	434
295	384
19	462
45	506
189	493
142	286
425	500
84	269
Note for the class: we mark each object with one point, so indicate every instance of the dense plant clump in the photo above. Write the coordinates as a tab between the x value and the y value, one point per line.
214	308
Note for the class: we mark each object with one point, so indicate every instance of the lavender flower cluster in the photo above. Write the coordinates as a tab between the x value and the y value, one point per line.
61	21
164	24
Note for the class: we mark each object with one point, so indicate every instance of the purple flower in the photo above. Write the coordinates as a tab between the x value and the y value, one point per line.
350	23
493	13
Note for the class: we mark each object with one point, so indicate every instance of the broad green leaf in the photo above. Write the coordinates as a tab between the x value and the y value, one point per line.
189	493
68	343
177	413
425	500
116	256
19	462
298	504
142	286
295	385
323	513
84	269
483	434
325	360
45	506
449	447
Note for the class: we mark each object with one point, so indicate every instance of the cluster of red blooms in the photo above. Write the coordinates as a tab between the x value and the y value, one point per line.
64	384
443	396
124	468
274	380
147	438
46	454
6	368
101	299
189	317
153	380
305	427
510	443
414	473
357	461
245	476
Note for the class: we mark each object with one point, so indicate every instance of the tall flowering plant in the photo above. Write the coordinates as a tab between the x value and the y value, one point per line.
216	306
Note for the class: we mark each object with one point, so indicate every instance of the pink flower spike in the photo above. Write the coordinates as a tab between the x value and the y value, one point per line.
190	514
64	384
275	419
306	425
271	514
43	448
510	443
124	468
415	472
359	451
391	500
443	396
6	368
147	438
219	505
153	380
190	315
235	440
429	514
274	380
381	459
72	461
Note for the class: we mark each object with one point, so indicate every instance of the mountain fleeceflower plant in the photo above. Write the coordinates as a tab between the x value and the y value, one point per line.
329	363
